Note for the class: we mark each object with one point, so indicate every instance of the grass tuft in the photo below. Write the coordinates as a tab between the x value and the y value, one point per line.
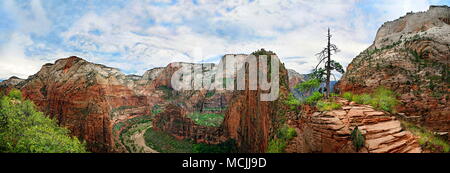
382	99
427	139
323	105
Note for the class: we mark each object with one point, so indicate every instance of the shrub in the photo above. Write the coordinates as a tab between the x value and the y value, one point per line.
291	133
292	102
362	99
210	93
327	105
384	99
279	142
308	85
15	94
357	138
316	96
286	133
348	96
276	146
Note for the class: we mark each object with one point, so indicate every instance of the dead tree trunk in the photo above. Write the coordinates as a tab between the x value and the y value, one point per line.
328	64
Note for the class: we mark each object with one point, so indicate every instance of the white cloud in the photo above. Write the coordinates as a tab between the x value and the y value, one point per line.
392	10
290	29
13	60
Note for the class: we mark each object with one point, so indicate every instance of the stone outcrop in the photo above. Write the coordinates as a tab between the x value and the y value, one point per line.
252	122
294	79
410	56
330	132
7	85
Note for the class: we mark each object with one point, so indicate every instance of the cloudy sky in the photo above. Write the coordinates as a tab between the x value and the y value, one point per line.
137	35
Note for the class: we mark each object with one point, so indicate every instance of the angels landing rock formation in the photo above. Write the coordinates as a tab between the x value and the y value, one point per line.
410	55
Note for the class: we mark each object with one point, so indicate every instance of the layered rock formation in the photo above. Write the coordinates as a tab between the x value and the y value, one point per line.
252	122
82	97
330	132
410	56
92	99
12	81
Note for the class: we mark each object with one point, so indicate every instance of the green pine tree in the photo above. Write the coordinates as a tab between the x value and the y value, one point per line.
357	139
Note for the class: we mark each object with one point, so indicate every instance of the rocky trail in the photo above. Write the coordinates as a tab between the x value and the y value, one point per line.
330	131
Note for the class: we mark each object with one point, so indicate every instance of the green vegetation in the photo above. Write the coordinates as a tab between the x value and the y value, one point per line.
207	119
128	132
427	139
15	94
214	108
376	50
118	126
316	96
210	94
324	105
276	146
166	143
23	129
362	98
348	96
156	109
357	138
168	92
262	51
382	99
287	133
132	126
140	120
279	142
293	103
308	85
228	146
113	111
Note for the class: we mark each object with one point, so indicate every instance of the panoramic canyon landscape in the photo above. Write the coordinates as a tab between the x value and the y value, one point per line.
388	96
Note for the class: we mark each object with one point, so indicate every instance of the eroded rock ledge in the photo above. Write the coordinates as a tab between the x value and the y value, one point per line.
329	132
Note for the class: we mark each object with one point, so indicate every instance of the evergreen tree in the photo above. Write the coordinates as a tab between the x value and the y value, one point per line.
357	138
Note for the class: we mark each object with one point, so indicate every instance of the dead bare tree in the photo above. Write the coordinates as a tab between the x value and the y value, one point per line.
325	56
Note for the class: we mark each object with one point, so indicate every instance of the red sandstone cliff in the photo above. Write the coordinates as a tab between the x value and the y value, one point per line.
410	56
252	122
91	99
